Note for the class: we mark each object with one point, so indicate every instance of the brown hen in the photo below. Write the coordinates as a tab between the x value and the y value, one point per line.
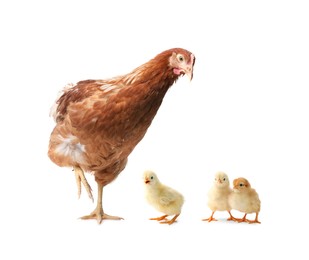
99	122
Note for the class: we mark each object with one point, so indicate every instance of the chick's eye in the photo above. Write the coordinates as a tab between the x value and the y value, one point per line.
241	185
151	177
223	179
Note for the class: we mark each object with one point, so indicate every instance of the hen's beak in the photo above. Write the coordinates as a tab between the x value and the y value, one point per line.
188	70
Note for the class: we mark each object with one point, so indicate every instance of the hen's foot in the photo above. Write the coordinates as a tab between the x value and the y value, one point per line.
80	179
99	215
159	218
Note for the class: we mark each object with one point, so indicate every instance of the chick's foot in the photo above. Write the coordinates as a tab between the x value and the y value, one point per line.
170	222
211	218
159	218
240	220
255	220
234	219
231	218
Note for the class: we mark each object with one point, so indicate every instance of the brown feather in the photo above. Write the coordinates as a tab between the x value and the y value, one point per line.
99	122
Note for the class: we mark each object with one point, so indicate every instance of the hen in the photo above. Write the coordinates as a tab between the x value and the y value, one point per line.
99	122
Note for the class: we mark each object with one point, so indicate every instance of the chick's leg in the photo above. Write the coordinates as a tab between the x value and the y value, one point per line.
98	212
244	219
211	218
231	217
255	220
80	179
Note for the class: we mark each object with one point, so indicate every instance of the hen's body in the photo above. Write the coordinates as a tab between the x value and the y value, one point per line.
99	122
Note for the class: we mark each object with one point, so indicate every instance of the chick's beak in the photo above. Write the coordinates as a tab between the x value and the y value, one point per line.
146	181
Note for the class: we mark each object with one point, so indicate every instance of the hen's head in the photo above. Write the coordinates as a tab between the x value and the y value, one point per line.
180	61
241	184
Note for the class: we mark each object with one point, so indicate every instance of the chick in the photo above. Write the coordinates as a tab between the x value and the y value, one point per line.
162	198
245	199
218	196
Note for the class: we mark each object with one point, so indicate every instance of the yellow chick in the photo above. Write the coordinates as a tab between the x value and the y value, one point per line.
218	196
245	199
162	198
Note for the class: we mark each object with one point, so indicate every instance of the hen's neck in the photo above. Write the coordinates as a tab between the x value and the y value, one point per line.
146	88
138	101
153	72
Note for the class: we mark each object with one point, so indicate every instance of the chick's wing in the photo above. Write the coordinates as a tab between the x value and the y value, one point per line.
167	196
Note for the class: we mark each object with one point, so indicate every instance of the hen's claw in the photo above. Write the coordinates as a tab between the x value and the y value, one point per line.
99	215
80	179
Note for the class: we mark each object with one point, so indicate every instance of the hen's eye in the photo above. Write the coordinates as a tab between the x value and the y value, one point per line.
180	58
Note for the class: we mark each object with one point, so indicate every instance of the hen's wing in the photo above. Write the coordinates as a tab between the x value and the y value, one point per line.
90	105
72	94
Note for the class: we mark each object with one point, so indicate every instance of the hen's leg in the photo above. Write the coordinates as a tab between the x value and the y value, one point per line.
211	218
98	213
159	218
80	179
170	222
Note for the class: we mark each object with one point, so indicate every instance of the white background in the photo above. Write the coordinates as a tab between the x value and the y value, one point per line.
245	112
